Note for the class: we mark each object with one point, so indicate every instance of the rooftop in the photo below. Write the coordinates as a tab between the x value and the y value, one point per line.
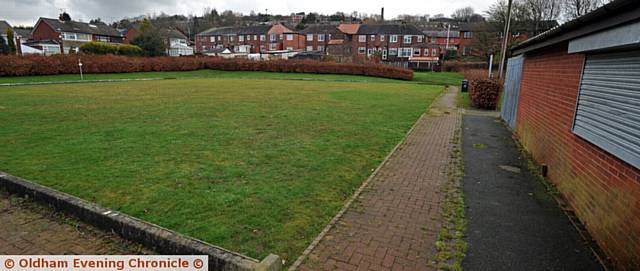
98	28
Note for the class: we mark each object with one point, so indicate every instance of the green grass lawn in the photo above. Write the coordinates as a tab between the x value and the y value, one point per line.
444	78
464	101
255	166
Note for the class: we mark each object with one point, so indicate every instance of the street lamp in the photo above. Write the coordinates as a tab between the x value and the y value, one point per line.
80	66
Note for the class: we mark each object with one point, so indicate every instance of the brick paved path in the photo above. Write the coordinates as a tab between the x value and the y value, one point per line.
393	224
32	229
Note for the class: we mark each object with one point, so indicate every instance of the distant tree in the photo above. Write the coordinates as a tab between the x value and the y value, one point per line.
11	41
95	21
150	40
311	18
541	10
576	8
486	39
145	25
65	17
463	14
338	17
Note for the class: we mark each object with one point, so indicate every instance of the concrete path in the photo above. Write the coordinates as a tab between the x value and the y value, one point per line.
393	224
513	223
27	228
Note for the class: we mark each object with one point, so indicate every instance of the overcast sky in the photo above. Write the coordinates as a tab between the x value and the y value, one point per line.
27	12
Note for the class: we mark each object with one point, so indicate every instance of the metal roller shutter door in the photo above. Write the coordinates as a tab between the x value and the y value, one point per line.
608	109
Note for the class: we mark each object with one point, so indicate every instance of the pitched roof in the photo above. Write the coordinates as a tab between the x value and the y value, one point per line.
24	33
319	28
441	33
398	29
349	28
173	33
99	28
242	30
3	27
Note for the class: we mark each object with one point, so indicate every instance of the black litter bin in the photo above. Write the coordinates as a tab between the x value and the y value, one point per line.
465	85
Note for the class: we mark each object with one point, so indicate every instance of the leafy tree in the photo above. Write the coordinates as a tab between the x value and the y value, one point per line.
95	21
150	40
11	41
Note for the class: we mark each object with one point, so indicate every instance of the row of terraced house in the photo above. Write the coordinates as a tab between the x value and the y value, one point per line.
397	42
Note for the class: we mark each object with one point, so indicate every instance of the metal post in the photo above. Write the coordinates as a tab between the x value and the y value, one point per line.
490	65
505	40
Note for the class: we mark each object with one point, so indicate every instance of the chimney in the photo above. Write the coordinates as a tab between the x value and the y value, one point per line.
382	15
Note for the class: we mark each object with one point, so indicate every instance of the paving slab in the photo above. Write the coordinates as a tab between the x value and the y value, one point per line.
513	222
28	228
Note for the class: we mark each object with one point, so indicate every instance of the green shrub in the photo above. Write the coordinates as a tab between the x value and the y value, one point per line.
101	48
129	50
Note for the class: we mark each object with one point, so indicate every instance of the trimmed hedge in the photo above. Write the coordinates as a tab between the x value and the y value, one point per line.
484	92
68	64
101	48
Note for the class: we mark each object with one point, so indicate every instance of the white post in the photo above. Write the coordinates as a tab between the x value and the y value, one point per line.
448	31
80	65
490	65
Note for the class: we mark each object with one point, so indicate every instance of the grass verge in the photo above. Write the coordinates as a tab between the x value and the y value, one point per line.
445	78
255	166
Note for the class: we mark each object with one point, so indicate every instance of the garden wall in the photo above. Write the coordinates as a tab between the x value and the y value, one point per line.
603	190
68	64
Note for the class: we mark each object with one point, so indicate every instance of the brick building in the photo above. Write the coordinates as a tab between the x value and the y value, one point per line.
250	39
317	36
71	34
573	96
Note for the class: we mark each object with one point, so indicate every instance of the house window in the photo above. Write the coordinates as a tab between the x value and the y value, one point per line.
369	52
231	38
309	37
434	52
289	36
219	38
273	46
407	39
373	37
416	51
362	38
384	54
320	37
255	37
281	36
404	52
309	48
241	38
273	37
321	48
381	37
419	38
393	51
467	35
393	38
212	39
361	50
263	38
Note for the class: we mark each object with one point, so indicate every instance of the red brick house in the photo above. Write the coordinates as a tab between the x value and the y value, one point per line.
71	34
250	39
396	43
572	94
317	36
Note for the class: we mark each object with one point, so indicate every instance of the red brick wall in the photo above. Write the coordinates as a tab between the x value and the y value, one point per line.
603	190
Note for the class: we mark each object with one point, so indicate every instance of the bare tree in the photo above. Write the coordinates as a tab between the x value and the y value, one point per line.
539	11
463	14
576	8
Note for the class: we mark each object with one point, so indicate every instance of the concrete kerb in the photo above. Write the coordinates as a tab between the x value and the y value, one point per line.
153	236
